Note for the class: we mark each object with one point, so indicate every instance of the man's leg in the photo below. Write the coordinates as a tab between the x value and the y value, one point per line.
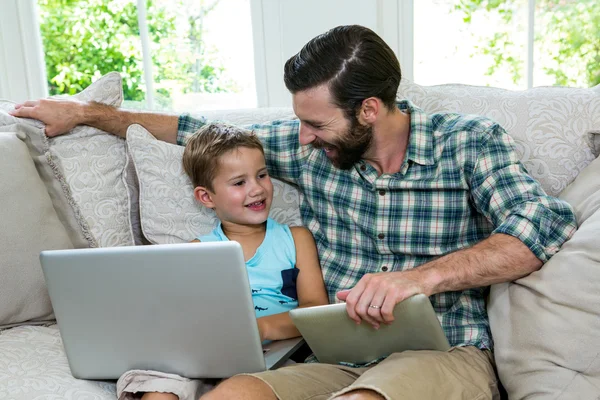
461	373
298	382
242	387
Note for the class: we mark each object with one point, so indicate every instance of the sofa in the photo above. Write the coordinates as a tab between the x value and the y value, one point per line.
92	189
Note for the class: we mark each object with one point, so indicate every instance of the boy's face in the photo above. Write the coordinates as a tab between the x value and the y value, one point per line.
242	189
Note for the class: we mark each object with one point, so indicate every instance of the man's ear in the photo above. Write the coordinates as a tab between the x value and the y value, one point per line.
202	196
369	110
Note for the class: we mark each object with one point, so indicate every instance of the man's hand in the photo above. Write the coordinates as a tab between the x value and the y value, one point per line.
59	116
375	295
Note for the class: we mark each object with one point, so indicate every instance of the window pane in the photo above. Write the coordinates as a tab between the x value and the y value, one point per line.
202	53
567	43
84	40
205	59
475	42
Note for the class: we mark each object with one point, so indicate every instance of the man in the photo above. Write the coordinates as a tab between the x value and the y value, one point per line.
387	189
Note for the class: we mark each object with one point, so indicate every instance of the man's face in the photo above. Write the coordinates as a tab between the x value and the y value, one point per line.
325	126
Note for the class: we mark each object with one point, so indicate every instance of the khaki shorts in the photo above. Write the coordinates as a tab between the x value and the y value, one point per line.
460	373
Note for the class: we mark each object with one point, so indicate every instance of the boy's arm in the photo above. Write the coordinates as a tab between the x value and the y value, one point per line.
309	286
60	116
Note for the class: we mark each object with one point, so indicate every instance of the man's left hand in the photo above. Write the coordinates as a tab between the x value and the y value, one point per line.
374	297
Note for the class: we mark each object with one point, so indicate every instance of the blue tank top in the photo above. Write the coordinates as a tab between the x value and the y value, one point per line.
272	270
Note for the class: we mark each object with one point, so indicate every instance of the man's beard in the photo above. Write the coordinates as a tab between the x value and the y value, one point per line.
351	146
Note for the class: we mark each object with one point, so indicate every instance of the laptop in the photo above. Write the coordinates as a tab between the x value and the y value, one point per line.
335	338
180	308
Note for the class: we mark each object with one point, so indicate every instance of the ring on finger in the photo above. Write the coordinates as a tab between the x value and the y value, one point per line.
374	306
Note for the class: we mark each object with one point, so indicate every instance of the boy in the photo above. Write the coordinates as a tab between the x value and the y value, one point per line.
227	167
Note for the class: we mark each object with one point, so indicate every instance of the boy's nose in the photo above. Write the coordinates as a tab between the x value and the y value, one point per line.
256	189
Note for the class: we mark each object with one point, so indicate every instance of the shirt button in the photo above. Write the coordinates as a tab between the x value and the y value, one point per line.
363	167
381	236
384	268
382	192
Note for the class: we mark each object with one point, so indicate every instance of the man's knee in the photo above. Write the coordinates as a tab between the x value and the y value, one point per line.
242	387
361	394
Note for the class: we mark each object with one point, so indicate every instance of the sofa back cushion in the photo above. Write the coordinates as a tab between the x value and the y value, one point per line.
93	164
546	325
553	127
30	224
168	211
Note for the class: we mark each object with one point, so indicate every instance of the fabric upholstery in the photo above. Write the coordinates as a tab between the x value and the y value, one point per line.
545	326
33	366
30	224
93	164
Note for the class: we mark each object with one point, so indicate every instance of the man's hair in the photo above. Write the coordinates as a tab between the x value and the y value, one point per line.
355	63
204	149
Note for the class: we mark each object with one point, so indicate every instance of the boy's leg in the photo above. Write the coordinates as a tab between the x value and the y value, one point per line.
460	373
159	396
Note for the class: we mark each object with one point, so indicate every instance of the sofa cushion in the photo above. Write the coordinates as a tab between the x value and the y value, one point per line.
93	164
553	127
30	224
546	325
33	366
169	213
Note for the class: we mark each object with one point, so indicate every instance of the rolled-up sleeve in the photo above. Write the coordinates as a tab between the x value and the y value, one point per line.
514	202
186	126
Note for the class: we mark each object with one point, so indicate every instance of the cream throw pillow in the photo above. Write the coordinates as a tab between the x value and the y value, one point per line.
93	165
546	326
30	224
553	127
169	213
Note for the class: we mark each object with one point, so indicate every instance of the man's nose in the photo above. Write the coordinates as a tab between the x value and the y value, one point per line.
305	135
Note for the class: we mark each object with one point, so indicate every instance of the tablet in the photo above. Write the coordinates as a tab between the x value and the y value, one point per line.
335	338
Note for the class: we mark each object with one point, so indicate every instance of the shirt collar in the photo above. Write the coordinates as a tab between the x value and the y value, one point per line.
420	145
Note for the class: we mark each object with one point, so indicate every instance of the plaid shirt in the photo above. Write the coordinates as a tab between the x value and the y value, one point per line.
460	182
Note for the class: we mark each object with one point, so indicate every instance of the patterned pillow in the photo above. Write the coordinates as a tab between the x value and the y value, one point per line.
93	164
553	127
168	211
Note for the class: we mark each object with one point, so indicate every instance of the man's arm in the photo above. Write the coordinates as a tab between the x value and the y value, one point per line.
499	258
60	116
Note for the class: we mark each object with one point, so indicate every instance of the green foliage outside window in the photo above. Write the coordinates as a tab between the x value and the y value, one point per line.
566	30
84	40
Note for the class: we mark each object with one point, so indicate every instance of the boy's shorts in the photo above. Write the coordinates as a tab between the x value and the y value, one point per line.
460	373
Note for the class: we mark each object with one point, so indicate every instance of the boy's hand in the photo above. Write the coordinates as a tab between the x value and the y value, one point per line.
262	328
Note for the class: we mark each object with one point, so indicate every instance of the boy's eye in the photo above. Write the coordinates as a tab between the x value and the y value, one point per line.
239	183
263	175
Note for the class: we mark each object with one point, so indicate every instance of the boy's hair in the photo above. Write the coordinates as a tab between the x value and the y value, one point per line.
204	148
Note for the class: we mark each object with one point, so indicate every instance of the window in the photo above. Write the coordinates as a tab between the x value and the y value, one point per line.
198	54
513	44
172	54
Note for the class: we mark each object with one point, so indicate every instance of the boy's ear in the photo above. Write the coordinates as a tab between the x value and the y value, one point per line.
202	195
